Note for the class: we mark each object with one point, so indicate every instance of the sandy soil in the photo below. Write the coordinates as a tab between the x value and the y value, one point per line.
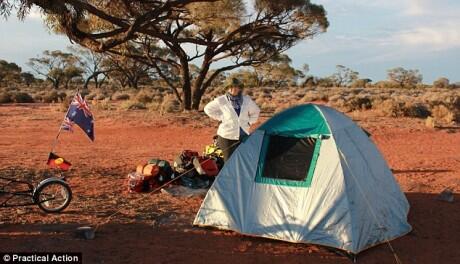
157	228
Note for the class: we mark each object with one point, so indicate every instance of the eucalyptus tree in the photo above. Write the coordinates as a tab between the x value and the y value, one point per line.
234	32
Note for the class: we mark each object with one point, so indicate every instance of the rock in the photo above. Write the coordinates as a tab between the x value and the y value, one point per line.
86	232
447	195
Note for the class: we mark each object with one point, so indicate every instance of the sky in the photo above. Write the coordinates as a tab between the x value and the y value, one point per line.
367	36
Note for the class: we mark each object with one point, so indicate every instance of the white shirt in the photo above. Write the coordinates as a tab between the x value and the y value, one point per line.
221	109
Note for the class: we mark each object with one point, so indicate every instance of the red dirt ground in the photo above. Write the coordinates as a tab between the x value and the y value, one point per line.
156	228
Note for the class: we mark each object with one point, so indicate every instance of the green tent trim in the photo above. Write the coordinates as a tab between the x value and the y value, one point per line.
300	122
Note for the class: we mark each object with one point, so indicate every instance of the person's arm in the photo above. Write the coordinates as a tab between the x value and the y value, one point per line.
254	112
212	109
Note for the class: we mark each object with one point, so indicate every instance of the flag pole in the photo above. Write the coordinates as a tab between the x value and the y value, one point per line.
53	146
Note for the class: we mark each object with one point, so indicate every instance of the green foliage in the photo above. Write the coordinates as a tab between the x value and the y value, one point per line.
22	97
57	67
441	83
10	72
53	97
344	76
361	83
243	33
277	72
405	78
5	98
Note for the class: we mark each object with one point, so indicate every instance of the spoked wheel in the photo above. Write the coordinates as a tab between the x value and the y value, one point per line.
53	195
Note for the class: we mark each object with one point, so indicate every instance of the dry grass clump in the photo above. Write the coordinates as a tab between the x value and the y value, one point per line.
430	122
170	104
132	105
104	104
98	94
144	96
443	115
268	107
120	96
5	97
51	97
390	108
417	110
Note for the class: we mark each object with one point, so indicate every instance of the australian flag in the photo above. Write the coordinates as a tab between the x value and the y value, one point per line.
80	114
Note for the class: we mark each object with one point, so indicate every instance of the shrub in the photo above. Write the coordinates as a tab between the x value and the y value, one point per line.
62	96
360	103
22	98
311	96
64	105
390	108
51	97
132	105
154	106
268	107
170	104
38	98
5	98
417	110
102	104
120	96
144	97
443	115
97	94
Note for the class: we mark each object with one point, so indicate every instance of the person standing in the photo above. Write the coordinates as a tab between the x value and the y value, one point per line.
236	113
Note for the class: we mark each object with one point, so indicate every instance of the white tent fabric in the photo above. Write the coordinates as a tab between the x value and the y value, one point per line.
352	204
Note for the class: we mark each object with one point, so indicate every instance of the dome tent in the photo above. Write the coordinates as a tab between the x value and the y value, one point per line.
308	175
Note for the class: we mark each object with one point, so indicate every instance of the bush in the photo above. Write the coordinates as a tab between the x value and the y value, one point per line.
132	105
144	97
102	104
51	97
417	110
154	106
360	103
120	96
170	104
268	107
22	98
390	108
443	115
5	98
64	105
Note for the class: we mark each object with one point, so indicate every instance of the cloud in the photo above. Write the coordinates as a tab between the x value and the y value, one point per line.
439	37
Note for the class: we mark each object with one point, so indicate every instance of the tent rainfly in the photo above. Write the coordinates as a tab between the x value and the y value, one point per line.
308	175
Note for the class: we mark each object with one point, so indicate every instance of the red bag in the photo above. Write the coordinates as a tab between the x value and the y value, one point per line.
206	166
145	179
184	161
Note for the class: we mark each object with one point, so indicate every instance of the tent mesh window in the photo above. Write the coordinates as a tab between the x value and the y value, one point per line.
288	158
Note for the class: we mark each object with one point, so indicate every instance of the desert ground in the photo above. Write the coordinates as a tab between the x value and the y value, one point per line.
157	228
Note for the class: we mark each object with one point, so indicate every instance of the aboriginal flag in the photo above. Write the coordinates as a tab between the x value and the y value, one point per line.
54	161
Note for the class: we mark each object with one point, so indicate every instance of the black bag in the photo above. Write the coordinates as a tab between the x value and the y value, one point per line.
184	163
166	172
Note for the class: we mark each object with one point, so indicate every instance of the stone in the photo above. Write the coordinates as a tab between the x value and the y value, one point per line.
86	232
447	195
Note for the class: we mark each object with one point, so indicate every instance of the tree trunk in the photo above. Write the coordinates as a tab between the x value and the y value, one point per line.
186	87
96	82
85	86
55	84
197	99
199	86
